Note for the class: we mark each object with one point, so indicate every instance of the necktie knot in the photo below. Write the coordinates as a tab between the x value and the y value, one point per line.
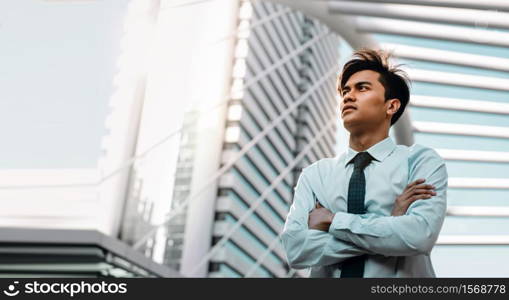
362	160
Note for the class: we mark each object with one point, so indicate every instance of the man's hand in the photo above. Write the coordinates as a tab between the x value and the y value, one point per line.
320	218
414	191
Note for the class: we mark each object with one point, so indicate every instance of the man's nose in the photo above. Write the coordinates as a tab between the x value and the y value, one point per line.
348	97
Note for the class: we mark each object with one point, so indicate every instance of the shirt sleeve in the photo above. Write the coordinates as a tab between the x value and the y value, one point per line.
306	247
415	232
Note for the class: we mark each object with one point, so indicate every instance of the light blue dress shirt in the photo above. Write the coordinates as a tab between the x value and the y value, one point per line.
397	246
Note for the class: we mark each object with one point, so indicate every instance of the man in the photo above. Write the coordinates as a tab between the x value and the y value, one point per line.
377	209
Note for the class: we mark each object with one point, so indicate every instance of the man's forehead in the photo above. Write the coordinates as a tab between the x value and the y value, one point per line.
363	76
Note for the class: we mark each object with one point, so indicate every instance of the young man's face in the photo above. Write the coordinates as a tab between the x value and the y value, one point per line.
363	103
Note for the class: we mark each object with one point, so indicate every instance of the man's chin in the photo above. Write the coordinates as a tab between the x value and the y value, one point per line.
354	125
349	121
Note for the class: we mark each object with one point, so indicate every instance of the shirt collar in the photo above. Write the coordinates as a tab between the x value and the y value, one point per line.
379	151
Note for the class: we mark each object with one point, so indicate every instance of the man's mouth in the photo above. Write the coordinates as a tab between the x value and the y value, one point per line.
348	109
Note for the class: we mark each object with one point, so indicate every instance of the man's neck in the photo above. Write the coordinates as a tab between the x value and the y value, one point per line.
363	141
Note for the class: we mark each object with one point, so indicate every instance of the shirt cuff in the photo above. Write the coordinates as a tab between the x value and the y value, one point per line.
343	224
340	222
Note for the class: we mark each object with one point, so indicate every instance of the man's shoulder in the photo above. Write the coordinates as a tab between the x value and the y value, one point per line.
323	165
420	154
328	162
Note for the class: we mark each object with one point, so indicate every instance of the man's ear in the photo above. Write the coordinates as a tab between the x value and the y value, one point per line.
393	106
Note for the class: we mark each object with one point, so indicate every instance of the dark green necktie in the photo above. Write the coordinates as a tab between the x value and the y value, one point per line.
354	267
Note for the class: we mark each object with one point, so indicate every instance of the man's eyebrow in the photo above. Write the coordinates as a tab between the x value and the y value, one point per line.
356	84
363	82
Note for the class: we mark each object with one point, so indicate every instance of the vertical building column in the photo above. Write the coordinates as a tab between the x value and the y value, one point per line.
181	191
213	85
123	123
305	82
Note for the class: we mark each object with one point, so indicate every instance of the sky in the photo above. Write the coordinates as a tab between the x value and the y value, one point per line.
57	63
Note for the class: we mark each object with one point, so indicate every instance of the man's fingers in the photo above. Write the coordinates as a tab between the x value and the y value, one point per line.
424	191
412	190
420	186
415	191
425	186
418	181
417	197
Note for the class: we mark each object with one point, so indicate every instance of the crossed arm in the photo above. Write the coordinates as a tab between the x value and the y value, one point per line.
351	235
307	247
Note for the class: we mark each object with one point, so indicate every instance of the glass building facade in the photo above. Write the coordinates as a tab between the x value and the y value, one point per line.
283	79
